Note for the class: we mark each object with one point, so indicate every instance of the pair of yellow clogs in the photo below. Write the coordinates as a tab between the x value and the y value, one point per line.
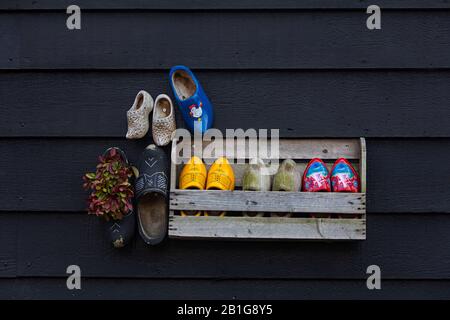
193	176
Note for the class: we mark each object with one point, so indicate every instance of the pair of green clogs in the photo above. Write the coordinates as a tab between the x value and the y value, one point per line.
257	178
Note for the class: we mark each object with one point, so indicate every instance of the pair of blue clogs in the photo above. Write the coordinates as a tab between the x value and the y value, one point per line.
193	103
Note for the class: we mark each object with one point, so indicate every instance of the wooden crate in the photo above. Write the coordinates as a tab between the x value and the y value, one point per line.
347	211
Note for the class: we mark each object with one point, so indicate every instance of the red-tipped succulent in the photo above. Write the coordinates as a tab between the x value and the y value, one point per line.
111	191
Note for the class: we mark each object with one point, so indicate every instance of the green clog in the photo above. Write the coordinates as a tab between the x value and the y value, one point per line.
287	178
256	178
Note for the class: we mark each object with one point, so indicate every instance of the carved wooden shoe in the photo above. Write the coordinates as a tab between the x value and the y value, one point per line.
194	105
256	178
137	115
316	178
151	192
193	176
220	177
287	178
163	123
344	177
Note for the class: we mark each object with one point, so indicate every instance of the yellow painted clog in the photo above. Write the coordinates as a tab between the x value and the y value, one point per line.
220	177
193	176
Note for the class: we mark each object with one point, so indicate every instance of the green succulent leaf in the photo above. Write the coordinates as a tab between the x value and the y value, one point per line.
111	192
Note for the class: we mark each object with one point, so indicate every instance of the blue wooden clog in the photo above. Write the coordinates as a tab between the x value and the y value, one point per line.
192	101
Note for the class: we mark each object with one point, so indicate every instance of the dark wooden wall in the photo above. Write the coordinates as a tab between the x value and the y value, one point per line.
310	68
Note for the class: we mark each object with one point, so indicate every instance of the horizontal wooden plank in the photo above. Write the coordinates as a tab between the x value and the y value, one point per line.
319	148
238	147
362	167
272	201
356	103
266	228
45	174
405	246
8	243
48	288
226	40
219	5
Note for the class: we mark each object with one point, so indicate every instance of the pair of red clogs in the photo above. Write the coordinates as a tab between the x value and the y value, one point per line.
342	177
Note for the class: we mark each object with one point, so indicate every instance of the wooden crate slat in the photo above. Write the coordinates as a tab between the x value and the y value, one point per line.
363	165
271	201
319	148
300	149
266	228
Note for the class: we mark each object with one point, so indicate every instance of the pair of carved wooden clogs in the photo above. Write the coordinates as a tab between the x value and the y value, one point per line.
163	122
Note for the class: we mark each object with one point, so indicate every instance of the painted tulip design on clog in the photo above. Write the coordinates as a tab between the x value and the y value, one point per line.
193	103
344	177
316	177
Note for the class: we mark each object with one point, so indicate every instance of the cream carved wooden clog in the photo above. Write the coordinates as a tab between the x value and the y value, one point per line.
163	123
137	115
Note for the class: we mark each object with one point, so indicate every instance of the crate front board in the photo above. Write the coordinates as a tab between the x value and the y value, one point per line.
336	216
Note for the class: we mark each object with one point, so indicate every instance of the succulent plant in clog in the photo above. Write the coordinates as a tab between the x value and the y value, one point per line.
111	196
